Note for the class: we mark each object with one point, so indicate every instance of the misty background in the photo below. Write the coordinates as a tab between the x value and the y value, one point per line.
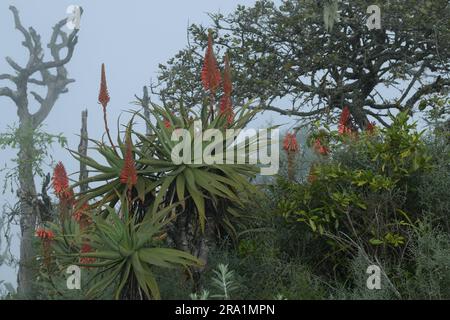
131	37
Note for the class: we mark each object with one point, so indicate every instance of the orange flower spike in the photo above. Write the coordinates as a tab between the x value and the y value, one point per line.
230	117
345	116
128	174
320	148
80	212
103	99
226	106
45	234
40	233
60	179
290	143
343	127
370	127
210	72
61	183
50	235
103	96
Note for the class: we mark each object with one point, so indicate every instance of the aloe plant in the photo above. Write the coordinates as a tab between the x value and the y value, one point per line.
123	252
210	194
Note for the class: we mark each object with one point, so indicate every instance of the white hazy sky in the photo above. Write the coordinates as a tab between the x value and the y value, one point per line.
131	37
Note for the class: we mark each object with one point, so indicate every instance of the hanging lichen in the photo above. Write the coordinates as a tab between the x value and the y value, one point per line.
330	14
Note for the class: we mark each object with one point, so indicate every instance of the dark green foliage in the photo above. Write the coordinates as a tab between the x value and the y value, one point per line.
365	195
285	50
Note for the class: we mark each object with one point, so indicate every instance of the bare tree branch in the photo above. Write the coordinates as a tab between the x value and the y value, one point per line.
56	84
7	92
8	77
37	97
434	87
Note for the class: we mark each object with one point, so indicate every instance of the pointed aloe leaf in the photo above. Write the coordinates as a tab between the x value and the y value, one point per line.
197	196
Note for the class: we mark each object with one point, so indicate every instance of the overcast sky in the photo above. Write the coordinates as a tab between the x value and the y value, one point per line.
131	37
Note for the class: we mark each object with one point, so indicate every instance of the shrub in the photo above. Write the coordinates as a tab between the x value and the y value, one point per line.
365	195
429	273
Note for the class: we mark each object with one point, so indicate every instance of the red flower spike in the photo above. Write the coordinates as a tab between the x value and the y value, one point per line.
103	96
50	235
210	72
343	126
45	234
226	106
60	179
370	127
290	143
78	214
128	174
61	183
320	148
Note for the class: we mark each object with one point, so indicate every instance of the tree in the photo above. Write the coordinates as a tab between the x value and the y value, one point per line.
36	72
286	55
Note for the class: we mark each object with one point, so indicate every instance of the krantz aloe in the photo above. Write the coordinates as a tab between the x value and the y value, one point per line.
205	197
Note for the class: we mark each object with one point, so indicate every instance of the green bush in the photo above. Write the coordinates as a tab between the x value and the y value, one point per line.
365	195
429	275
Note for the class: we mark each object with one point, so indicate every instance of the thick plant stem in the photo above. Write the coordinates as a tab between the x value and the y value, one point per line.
27	193
211	106
291	165
82	149
107	130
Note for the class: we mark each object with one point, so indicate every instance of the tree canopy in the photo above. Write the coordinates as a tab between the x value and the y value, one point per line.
288	60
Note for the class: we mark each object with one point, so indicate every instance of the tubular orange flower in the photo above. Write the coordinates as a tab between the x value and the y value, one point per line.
45	234
210	72
225	104
79	213
128	174
47	237
103	96
370	127
290	143
226	108
103	99
320	148
60	179
61	183
343	126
